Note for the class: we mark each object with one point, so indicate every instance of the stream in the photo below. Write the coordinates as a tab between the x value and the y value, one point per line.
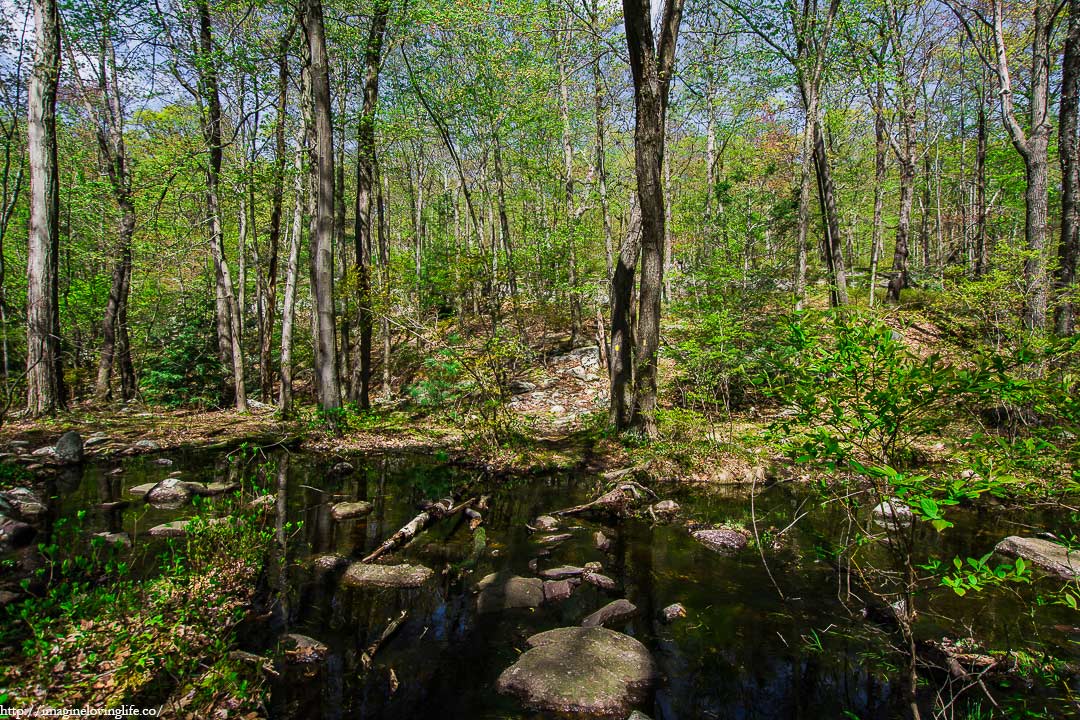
741	651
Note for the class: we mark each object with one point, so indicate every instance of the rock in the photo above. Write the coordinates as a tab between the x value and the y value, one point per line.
892	511
170	491
217	488
593	567
7	597
721	540
603	543
163	462
579	372
552	539
601	581
95	440
346	510
563	572
329	563
666	508
146	446
557	409
557	590
15	534
69	448
118	538
116	471
638	715
113	505
501	592
46	452
386	576
175	473
24	502
1048	556
176	528
593	671
520	387
615	612
141	490
19	444
672	613
545	523
303	650
342	468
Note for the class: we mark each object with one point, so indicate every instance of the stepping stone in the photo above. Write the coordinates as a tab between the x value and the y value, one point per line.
502	592
386	576
346	510
616	612
563	572
141	490
1050	557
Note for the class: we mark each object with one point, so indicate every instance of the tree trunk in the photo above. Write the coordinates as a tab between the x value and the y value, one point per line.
834	253
903	229
877	238
620	351
561	43
322	241
365	179
652	68
44	376
1069	245
288	309
982	241
601	142
117	297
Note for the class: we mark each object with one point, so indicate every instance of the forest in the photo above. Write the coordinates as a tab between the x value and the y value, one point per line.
566	358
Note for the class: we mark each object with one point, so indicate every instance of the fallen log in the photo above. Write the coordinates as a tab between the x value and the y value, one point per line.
613	501
369	654
436	511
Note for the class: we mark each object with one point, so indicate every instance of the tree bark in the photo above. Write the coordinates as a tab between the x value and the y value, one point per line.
652	66
288	310
620	351
321	242
880	148
1069	244
44	371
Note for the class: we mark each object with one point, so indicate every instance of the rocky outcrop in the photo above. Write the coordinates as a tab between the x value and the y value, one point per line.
401	576
593	671
725	541
1050	557
346	510
614	613
499	591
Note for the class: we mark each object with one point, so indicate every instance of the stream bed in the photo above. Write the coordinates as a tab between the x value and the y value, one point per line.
760	639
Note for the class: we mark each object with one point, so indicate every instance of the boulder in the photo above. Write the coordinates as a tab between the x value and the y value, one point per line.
666	508
615	612
386	576
69	448
1050	557
504	592
176	528
45	452
672	613
892	512
15	534
545	523
563	572
24	502
146	446
118	538
592	671
601	581
346	510
520	387
722	540
170	492
557	590
329	563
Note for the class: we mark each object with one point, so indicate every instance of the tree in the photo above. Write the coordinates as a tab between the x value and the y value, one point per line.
652	66
321	242
1069	152
44	369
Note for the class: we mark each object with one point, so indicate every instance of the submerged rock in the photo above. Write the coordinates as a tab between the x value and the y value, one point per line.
502	592
386	576
592	671
346	510
721	540
69	448
1048	556
615	612
545	523
673	612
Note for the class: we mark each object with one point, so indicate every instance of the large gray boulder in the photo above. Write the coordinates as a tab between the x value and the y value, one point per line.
346	510
170	492
1048	556
593	671
69	448
499	591
386	576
